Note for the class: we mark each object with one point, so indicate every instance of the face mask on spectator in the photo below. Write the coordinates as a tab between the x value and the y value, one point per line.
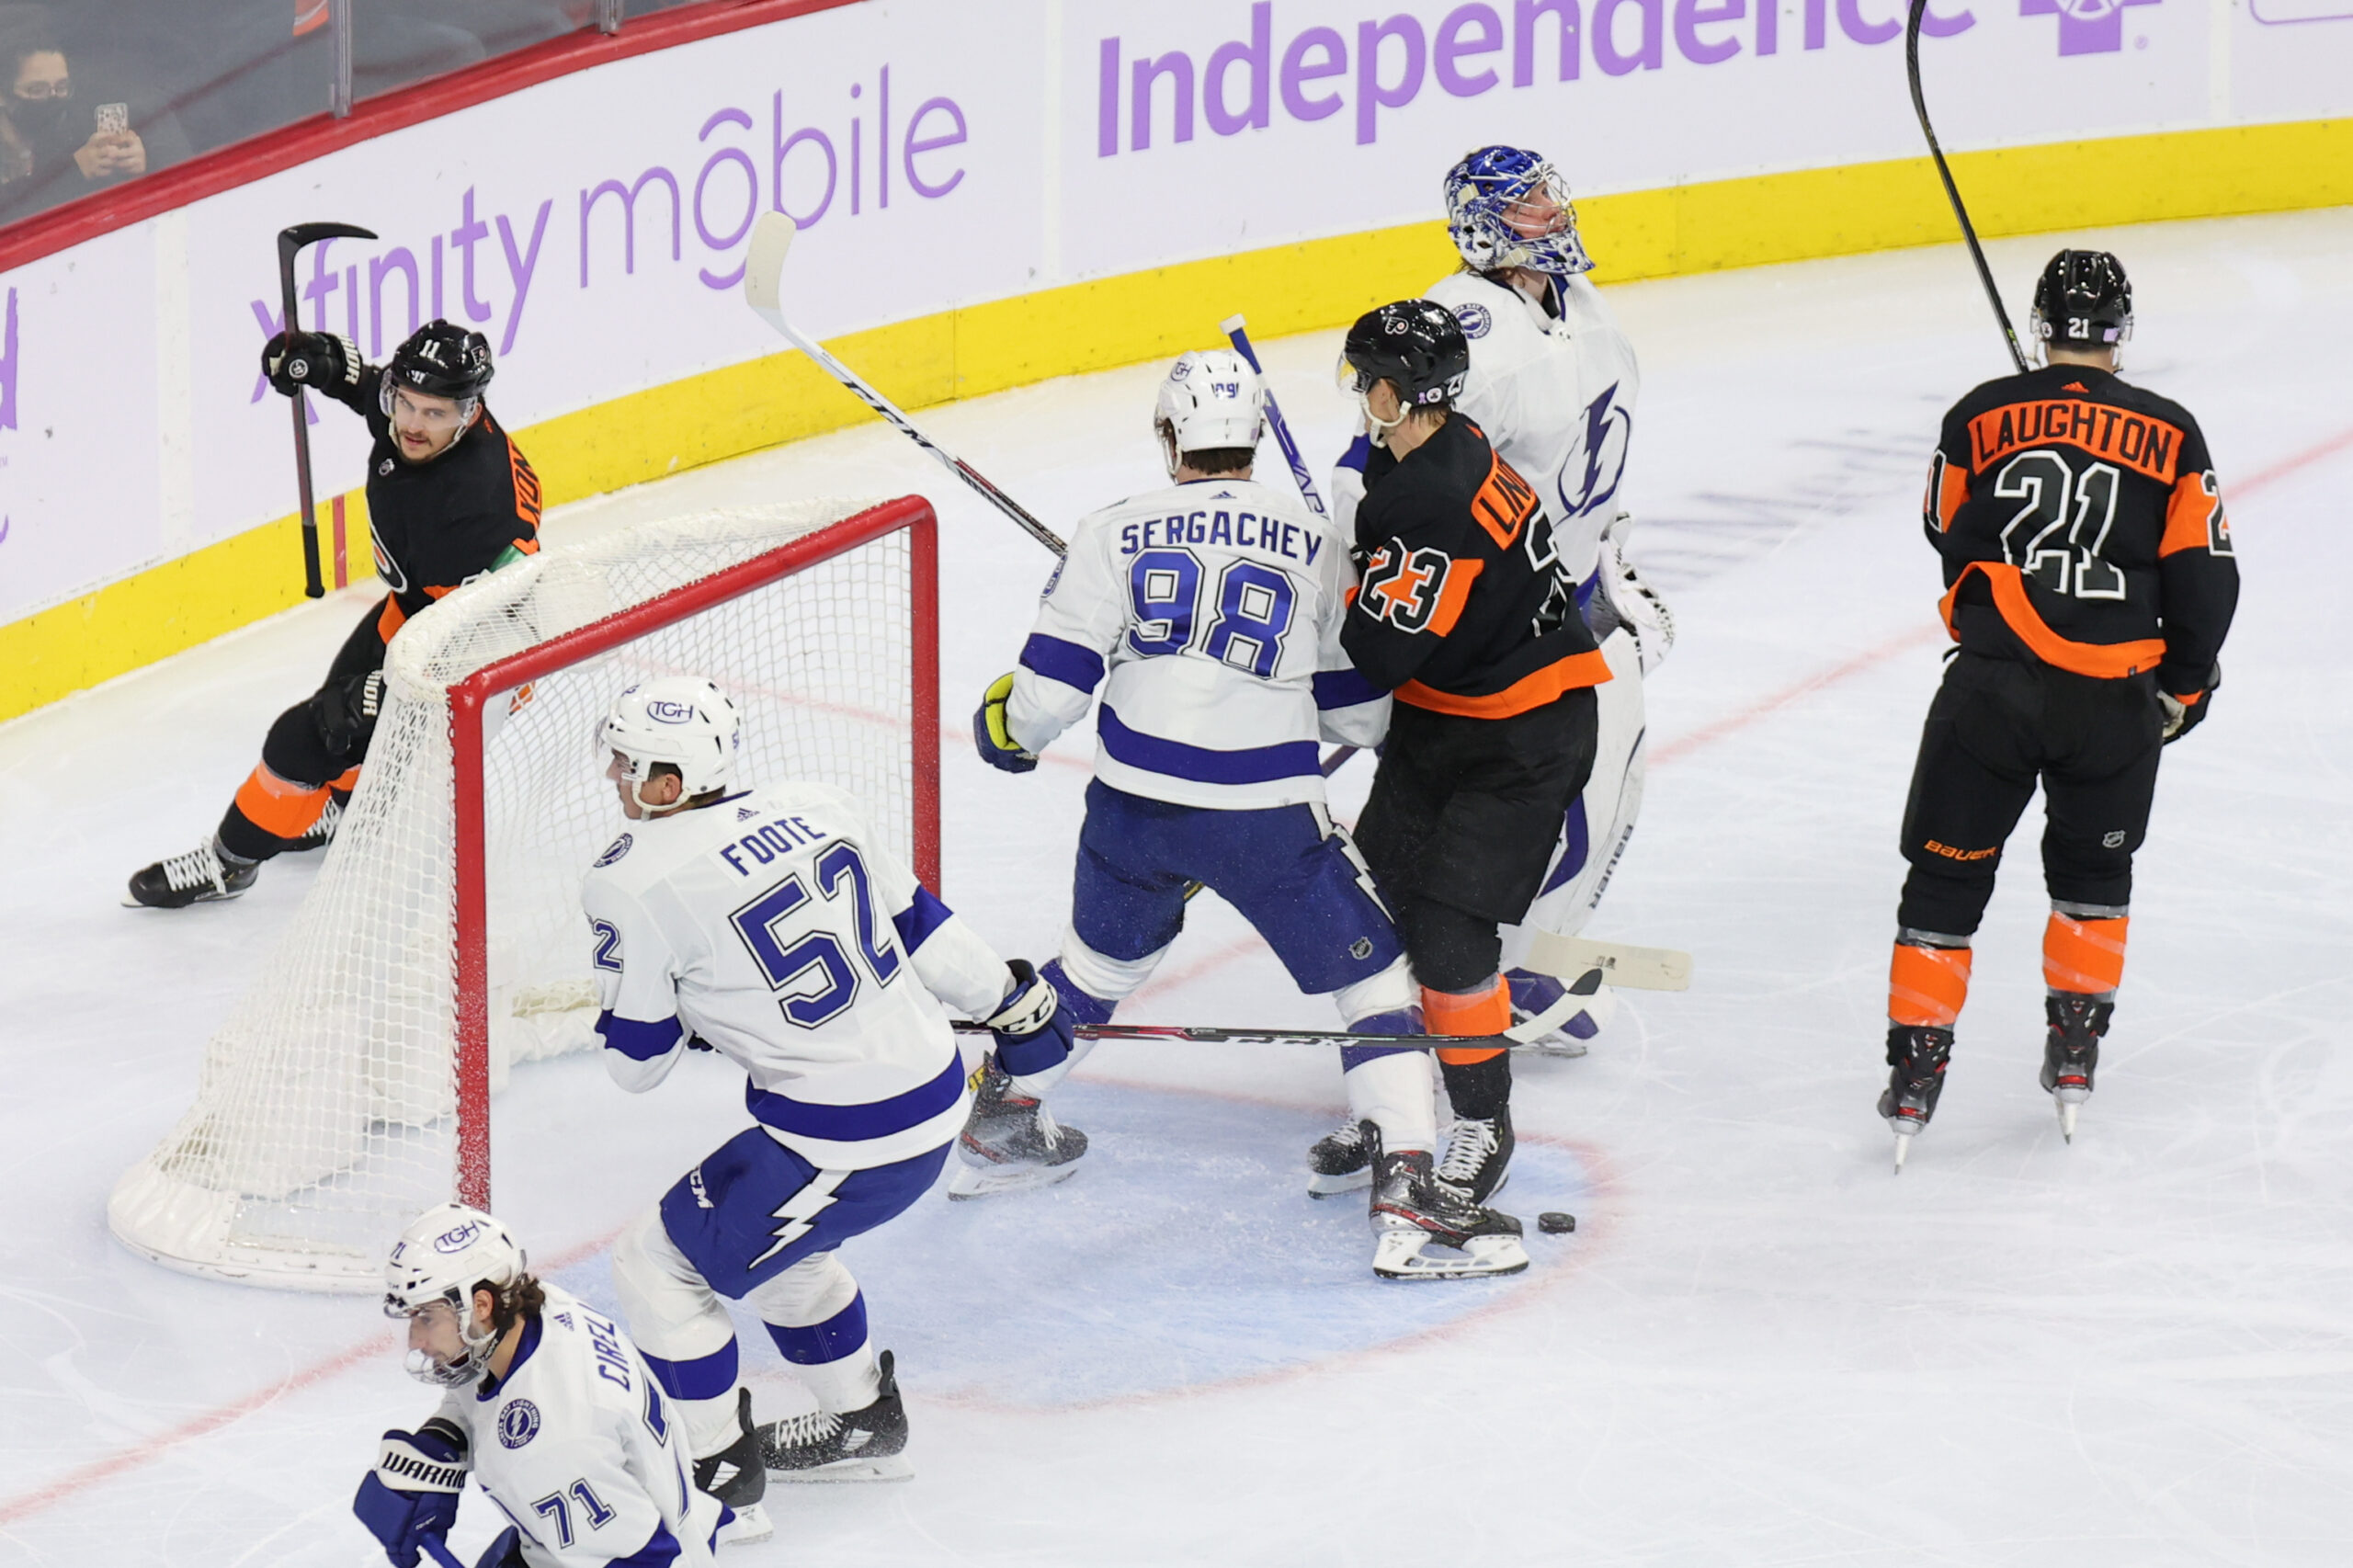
35	116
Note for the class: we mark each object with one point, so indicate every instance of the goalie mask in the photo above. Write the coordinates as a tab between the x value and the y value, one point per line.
1507	207
683	720
444	1256
1211	401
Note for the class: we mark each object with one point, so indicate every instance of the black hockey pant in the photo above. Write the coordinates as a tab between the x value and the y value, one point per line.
300	771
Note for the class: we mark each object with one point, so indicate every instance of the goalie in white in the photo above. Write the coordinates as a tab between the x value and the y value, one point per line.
550	1408
1553	385
770	926
1207	614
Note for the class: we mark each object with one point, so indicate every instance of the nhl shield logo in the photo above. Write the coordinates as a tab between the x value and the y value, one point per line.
518	1423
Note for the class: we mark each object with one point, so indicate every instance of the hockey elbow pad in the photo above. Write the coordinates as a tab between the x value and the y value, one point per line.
991	738
413	1492
1033	1032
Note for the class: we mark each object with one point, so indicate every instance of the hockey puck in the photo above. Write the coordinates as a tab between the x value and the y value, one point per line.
1553	1223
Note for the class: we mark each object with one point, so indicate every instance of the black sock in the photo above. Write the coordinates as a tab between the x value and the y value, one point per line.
1478	1089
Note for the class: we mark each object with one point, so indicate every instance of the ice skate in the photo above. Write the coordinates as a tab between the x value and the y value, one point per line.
736	1477
2071	1052
1478	1156
1010	1141
1584	1008
1340	1162
206	874
1423	1229
1916	1057
863	1444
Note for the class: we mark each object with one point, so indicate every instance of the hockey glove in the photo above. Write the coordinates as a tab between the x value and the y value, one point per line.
1033	1031
345	712
2184	714
322	359
413	1491
995	742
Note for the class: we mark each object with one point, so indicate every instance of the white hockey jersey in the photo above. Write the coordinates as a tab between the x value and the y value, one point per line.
1208	613
1556	398
773	927
576	1445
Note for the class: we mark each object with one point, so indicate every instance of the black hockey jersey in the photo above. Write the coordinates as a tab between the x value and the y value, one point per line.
1463	608
437	523
2081	525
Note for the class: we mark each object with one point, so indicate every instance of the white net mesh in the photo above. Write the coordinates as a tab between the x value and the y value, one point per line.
325	1115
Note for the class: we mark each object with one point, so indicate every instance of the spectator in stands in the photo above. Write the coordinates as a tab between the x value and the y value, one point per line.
62	134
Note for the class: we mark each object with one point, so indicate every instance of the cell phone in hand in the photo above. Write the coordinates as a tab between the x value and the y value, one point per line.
113	119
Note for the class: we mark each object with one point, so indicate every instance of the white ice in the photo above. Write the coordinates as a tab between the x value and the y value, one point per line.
1758	1348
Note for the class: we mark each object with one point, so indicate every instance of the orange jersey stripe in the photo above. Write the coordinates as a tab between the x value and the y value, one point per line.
2193	517
1453	594
2105	661
1547	684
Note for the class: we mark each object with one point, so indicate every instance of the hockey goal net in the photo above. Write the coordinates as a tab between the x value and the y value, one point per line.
443	941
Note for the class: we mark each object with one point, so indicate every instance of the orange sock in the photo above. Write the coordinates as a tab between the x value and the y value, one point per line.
1925	986
2084	956
1488	1013
279	806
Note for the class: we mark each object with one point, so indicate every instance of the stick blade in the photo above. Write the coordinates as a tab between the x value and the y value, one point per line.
1638	969
772	238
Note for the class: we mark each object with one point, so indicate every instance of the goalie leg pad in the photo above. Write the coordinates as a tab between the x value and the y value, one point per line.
1601	820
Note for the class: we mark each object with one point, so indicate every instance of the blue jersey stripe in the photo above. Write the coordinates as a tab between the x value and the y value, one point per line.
1343	688
852	1123
1068	663
660	1548
639	1041
1175	759
920	919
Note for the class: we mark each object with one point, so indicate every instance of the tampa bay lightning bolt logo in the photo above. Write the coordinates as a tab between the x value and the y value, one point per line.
1609	430
1475	320
518	1423
620	847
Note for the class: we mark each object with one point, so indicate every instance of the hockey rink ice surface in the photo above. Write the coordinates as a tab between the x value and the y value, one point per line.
1758	1348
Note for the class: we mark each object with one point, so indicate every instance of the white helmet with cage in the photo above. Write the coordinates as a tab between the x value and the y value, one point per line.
1210	399
444	1256
683	720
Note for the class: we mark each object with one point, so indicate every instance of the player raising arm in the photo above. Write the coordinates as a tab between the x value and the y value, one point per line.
1207	615
770	926
550	1408
1467	614
449	498
2089	582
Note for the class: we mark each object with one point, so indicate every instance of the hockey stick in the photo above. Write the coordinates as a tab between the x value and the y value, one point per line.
764	291
1952	191
1236	333
289	245
1632	967
1189	1034
439	1549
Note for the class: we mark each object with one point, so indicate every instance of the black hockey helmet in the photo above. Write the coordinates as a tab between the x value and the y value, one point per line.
2082	301
440	360
1415	345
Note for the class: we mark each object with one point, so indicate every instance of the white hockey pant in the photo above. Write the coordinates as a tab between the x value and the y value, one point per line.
1612	800
673	1315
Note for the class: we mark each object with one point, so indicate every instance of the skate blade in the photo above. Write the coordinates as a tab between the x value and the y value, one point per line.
885	1467
2067	1109
1416	1254
1560	1047
1319	1185
1905	1133
975	1181
750	1525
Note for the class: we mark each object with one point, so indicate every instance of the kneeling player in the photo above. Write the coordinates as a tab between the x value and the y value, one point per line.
1209	615
449	498
1467	614
770	925
550	1408
2089	582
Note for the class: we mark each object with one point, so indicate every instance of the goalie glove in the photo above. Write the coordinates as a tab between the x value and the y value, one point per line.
324	359
1639	608
345	712
1032	1028
991	738
413	1491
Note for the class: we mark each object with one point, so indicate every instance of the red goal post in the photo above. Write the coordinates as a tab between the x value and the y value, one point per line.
468	697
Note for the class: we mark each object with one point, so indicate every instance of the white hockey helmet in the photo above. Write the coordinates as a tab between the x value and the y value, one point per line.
441	1258
1210	399
683	720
